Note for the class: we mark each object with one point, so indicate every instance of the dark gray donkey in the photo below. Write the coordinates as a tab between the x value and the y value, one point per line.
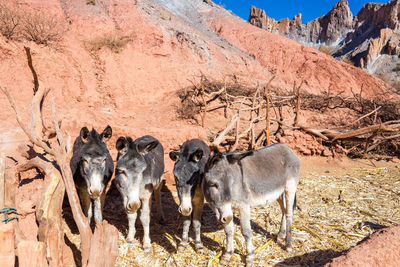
250	179
92	168
190	161
139	172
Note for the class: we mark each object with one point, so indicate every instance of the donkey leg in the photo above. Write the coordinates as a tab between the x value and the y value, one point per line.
145	219
185	234
157	196
246	231
282	230
226	258
290	193
98	216
197	204
132	229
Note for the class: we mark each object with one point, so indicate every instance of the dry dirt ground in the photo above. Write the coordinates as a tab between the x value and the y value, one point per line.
340	202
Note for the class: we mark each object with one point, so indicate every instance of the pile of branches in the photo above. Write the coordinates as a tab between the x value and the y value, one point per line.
374	134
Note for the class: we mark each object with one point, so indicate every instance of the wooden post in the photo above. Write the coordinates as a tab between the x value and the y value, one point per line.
31	254
7	254
252	132
267	121
296	119
2	180
237	128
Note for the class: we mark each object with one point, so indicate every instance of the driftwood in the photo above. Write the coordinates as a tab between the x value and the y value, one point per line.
31	254
104	239
365	130
48	210
2	180
7	254
222	136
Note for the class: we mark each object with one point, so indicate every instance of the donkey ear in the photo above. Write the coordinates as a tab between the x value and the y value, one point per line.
214	149
214	159
146	148
174	155
233	158
196	156
84	134
122	145
106	134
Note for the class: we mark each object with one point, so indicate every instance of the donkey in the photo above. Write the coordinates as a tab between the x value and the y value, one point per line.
190	161
92	168
251	179
139	172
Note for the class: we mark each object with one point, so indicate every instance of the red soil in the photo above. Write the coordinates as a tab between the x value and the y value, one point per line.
134	89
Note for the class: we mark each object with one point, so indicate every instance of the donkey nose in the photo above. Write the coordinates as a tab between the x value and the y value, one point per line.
133	206
226	219
185	211
94	193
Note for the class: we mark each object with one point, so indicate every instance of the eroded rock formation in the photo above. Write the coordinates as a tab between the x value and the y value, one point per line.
370	40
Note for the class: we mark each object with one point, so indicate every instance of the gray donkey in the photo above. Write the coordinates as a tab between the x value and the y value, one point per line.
139	172
92	168
190	161
251	179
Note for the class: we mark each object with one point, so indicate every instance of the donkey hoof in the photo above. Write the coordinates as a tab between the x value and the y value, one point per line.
146	248
181	247
250	260
280	237
226	258
199	247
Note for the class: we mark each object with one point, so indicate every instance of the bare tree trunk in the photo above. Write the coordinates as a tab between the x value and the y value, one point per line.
31	254
104	239
7	254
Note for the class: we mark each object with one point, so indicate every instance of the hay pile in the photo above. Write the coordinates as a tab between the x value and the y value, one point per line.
334	213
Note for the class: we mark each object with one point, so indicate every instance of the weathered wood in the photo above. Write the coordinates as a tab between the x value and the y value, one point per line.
221	137
9	201
267	98
267	120
32	254
237	129
48	210
369	129
104	239
7	254
296	91
61	155
2	180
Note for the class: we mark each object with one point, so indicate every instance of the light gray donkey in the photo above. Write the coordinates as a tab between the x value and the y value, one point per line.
139	172
251	179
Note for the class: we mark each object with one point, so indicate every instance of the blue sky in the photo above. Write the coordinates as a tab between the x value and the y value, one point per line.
310	9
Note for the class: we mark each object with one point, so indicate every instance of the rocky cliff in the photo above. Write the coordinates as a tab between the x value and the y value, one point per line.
370	40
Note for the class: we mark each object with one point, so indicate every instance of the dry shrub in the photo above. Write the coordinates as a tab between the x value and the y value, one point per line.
326	50
10	21
43	28
91	2
348	61
114	42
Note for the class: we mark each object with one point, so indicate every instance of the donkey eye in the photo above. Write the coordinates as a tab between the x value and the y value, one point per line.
119	171
215	185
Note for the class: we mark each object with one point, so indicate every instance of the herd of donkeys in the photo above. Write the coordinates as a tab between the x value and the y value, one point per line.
237	180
